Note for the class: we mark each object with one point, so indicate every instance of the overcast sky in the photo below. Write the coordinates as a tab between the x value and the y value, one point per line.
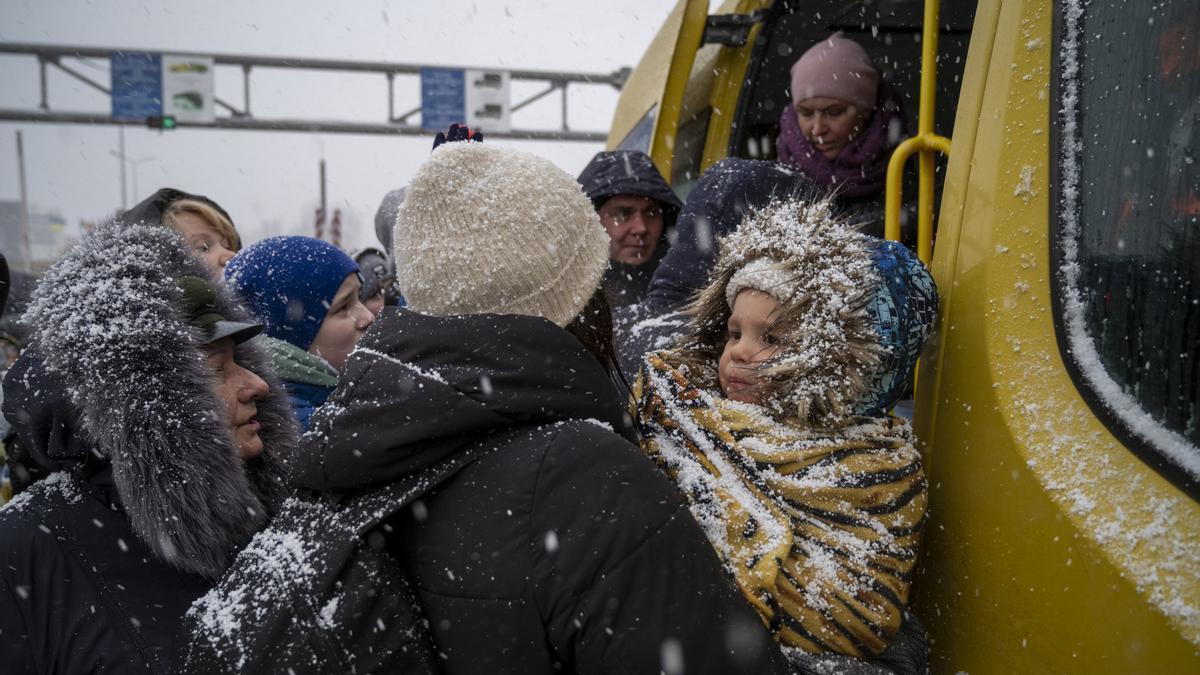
268	181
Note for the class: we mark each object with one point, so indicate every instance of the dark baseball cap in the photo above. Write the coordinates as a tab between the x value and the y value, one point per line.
199	304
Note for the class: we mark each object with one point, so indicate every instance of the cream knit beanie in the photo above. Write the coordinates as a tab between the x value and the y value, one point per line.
485	229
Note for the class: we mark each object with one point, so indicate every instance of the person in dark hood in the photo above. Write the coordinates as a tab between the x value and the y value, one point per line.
204	225
165	432
638	210
722	196
377	280
385	220
537	537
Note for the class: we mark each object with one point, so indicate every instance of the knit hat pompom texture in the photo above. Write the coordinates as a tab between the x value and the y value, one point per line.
492	230
288	282
836	67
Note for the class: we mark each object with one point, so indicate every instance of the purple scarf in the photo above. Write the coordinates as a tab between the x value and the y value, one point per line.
860	169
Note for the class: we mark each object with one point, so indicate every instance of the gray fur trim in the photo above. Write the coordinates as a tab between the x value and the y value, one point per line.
830	347
106	318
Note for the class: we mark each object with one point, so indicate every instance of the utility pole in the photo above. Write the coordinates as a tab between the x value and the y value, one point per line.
135	163
26	249
121	156
323	212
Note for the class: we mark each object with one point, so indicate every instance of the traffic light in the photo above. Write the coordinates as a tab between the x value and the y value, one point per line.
161	121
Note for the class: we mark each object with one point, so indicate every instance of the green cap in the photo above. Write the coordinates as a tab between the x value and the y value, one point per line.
200	310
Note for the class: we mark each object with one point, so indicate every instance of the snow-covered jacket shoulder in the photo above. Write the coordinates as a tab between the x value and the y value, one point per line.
80	591
106	319
561	548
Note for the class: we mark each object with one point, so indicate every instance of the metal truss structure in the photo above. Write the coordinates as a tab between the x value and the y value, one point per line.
242	117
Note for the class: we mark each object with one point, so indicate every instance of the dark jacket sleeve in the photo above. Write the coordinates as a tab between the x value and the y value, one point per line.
629	582
16	654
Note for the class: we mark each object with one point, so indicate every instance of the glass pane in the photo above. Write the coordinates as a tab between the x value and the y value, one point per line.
1138	200
638	137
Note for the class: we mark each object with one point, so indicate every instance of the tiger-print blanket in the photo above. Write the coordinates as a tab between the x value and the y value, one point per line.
819	529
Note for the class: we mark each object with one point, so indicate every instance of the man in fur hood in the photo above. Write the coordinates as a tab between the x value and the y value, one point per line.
164	429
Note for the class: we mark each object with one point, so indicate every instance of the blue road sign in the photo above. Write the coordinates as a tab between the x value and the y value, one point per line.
136	85
443	98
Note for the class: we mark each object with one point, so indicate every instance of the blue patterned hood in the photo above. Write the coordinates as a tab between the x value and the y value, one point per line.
903	308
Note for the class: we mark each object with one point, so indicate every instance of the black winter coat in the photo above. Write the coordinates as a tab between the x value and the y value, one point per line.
81	592
562	548
149	499
629	172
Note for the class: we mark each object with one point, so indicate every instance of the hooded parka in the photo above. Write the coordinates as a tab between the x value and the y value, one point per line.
559	548
148	499
629	172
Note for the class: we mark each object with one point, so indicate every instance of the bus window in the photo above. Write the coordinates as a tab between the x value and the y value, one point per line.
1129	248
689	151
639	136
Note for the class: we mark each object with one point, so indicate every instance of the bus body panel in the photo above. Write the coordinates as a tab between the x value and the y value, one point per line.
1050	547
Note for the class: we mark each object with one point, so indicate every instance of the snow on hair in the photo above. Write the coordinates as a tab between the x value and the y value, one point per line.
824	278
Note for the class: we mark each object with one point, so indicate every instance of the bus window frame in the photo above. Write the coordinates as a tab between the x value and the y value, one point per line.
770	23
1059	154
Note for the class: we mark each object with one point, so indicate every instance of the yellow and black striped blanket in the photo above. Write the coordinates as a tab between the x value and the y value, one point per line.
819	529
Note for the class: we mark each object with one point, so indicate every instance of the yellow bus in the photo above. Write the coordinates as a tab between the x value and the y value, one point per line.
1058	405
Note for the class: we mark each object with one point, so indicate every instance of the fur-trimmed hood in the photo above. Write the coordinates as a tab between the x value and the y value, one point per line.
106	322
856	311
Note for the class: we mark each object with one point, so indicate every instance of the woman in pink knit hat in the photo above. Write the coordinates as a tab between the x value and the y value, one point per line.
843	124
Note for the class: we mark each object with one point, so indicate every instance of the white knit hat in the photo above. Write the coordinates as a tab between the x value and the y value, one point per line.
485	229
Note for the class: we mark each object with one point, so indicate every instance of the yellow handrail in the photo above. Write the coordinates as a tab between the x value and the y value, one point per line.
925	142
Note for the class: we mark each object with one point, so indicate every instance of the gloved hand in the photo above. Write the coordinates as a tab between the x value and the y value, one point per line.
456	133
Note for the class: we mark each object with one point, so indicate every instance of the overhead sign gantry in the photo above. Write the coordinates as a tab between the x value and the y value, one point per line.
167	91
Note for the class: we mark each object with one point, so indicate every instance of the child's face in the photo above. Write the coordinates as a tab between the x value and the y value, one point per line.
345	322
748	343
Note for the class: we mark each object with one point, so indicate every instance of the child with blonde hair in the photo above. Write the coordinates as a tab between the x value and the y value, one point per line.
771	416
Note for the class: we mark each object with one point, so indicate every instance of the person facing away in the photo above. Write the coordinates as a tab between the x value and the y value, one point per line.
165	434
204	225
638	210
842	126
771	418
306	293
385	220
536	535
